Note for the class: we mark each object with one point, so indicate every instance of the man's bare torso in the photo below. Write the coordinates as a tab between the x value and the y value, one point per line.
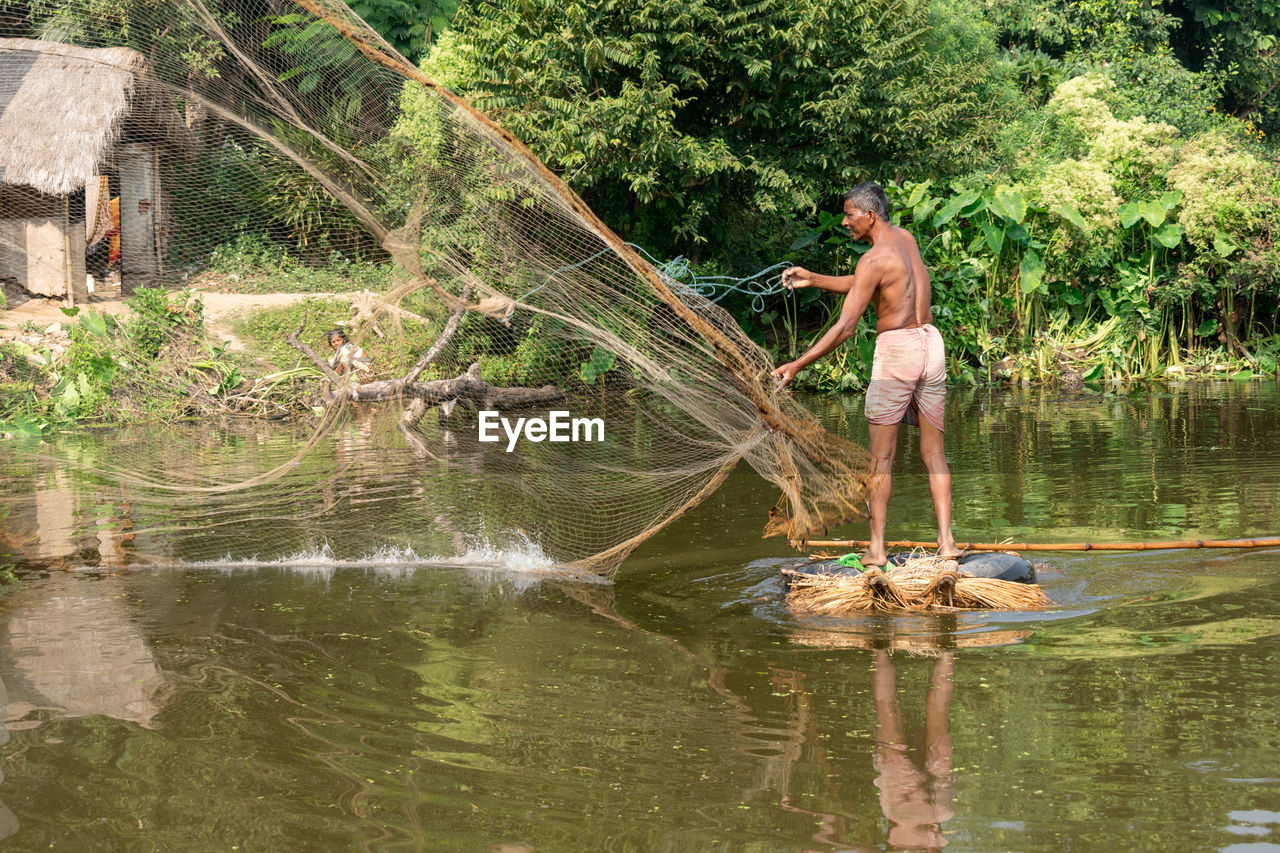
903	295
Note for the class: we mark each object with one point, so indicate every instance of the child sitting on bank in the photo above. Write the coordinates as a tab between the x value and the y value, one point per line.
347	359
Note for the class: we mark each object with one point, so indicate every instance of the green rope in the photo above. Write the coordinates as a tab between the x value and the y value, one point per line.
679	273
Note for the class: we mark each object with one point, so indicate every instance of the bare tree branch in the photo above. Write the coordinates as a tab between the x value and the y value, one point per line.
294	342
450	328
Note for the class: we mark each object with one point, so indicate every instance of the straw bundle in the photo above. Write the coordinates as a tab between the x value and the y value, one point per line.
921	583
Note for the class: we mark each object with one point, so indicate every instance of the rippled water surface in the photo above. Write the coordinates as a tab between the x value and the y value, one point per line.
398	667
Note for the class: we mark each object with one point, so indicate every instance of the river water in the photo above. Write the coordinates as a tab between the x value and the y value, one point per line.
328	695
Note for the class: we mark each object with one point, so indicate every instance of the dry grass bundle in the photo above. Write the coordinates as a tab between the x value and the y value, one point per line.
921	583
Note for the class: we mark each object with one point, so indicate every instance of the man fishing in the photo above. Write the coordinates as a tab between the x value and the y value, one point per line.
908	373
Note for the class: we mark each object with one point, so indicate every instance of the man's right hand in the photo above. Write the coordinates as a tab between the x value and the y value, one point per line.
794	278
783	375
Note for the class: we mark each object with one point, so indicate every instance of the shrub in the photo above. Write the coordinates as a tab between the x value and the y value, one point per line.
1226	188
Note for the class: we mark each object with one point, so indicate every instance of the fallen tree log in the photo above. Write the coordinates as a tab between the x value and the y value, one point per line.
446	393
468	386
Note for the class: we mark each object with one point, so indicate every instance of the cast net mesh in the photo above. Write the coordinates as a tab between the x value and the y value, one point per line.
167	131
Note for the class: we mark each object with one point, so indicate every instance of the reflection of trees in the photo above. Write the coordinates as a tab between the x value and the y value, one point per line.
406	713
1025	464
413	713
366	486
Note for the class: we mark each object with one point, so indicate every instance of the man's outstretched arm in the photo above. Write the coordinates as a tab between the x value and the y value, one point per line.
794	278
865	281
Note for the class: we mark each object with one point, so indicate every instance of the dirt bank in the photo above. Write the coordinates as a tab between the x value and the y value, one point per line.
38	316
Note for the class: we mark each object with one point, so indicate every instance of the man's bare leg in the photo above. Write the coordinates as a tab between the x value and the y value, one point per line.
884	446
935	460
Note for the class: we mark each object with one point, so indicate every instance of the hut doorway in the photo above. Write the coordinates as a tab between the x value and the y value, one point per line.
138	167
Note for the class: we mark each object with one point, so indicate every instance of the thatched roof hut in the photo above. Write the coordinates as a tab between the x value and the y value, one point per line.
61	110
81	136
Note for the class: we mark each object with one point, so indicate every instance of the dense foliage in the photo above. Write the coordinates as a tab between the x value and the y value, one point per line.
1146	40
708	126
1094	185
1091	200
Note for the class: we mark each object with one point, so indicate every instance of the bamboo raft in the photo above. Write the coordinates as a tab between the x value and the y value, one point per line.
1268	542
920	584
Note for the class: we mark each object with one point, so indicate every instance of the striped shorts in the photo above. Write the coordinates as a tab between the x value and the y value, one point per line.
908	377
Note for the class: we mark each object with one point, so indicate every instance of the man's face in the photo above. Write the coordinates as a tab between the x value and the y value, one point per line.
857	221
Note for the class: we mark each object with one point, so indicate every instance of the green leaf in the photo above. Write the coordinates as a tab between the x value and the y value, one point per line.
1242	375
1009	205
83	384
866	350
600	363
1129	214
1019	235
1031	273
995	237
1169	235
21	425
1207	328
925	208
1108	298
804	240
1093	373
977	205
1171	199
1071	215
21	348
309	83
70	312
952	207
70	399
1224	245
917	193
94	323
1153	212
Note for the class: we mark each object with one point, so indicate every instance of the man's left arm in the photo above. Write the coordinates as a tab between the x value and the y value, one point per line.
866	279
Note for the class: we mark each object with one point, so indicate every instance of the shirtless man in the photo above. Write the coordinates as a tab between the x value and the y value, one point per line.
908	374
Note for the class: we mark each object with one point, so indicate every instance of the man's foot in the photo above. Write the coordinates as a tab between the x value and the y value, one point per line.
873	560
947	549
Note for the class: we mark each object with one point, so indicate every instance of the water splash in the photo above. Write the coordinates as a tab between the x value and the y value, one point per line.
521	555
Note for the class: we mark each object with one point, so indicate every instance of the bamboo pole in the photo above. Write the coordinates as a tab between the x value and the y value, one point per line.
1271	542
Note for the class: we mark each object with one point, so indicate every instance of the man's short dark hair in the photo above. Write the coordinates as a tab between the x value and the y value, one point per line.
869	195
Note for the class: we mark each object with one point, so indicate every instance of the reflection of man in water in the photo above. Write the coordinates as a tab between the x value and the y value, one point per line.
917	799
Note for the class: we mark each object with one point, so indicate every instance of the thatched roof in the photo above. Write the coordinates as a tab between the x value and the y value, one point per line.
60	110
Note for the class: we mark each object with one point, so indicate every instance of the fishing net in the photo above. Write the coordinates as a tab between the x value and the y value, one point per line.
139	141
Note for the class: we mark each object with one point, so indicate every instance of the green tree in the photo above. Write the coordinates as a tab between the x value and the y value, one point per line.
703	128
409	25
1160	46
1244	37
